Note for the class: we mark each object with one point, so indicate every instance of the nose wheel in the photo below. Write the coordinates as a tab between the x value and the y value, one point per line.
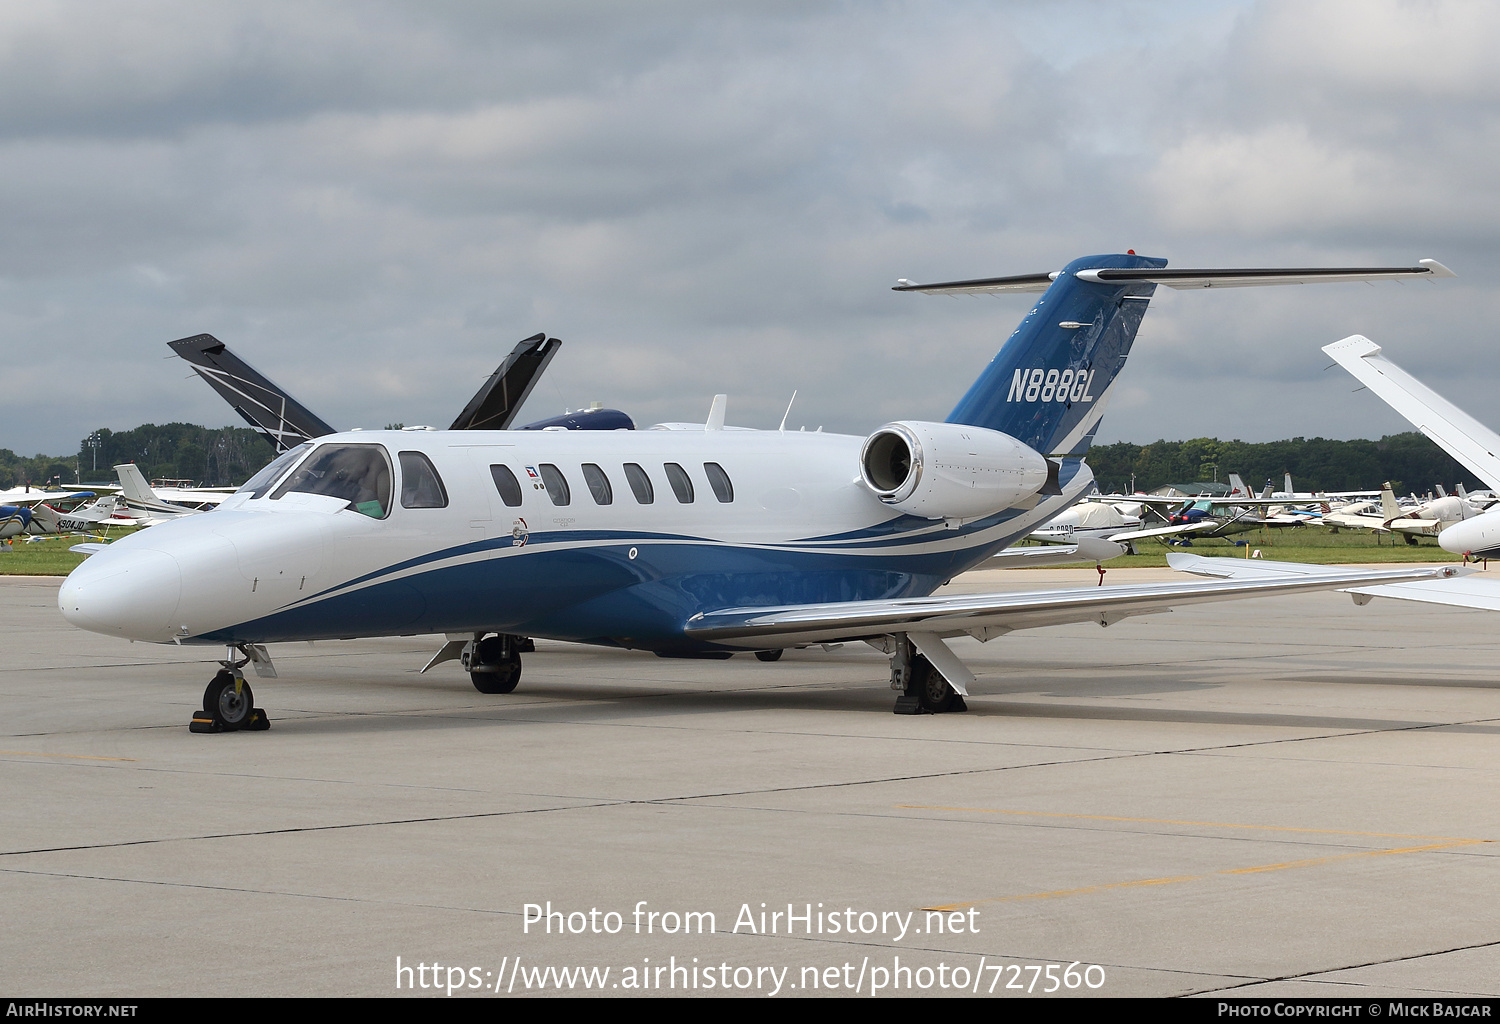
494	662
229	704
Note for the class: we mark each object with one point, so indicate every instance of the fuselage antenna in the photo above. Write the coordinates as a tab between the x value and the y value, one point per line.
788	412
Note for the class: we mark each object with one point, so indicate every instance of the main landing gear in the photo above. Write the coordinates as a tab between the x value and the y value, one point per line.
494	662
923	689
228	703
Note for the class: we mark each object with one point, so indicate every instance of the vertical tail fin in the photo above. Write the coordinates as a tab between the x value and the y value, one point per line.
1389	510
133	484
1048	385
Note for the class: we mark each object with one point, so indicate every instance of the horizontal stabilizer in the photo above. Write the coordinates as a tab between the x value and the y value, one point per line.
1186	278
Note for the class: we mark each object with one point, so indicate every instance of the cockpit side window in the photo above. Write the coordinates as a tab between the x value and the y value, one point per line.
421	487
261	482
358	473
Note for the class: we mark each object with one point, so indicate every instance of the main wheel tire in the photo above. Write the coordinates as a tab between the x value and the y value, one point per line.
768	655
210	695
933	691
230	705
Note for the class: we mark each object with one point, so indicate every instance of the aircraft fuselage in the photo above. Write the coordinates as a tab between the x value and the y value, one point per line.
597	565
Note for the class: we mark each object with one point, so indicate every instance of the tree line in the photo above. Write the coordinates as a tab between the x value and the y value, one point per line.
1410	461
209	456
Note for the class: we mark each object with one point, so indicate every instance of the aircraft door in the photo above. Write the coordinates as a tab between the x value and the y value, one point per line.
489	515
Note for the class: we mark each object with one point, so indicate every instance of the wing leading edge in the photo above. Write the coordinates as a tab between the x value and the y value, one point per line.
1458	593
988	615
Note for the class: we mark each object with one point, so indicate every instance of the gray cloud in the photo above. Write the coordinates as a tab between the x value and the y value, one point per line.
373	201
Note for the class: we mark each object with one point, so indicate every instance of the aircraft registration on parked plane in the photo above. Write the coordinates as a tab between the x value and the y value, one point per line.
696	542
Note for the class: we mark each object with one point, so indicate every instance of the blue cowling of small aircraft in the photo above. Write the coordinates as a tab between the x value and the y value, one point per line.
14	520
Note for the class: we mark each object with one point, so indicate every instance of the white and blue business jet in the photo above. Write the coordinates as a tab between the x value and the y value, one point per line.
690	541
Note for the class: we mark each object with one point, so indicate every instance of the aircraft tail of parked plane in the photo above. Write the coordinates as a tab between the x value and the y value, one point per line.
1456	432
141	501
1453	430
688	543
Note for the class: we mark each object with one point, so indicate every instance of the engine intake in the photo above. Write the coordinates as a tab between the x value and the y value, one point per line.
952	470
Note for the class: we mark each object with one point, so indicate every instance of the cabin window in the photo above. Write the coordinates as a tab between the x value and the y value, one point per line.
598	484
358	473
263	481
719	481
421	487
556	484
506	484
682	485
640	483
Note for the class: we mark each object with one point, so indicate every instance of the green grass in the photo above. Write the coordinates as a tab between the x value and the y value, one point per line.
45	556
1302	544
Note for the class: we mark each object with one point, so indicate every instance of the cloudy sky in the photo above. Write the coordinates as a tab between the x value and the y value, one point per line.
372	202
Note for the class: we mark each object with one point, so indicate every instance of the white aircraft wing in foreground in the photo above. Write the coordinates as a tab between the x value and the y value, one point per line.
930	620
1440	588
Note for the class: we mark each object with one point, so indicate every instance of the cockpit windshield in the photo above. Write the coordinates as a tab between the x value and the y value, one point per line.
261	482
358	473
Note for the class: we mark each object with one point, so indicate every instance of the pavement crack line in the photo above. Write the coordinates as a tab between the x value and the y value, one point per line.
1350	967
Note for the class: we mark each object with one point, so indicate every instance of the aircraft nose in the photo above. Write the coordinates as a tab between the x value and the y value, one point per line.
135	597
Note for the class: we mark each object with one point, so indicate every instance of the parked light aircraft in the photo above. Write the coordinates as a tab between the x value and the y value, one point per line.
690	542
32	510
1455	431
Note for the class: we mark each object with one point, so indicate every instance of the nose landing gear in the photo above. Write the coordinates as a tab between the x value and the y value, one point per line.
494	662
228	703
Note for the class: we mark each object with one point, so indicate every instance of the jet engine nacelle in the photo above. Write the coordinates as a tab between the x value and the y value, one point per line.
951	470
1478	536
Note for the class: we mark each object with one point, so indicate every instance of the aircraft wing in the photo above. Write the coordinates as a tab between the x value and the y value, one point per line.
1186	278
1084	549
36	497
1201	526
495	405
279	417
989	615
1450	428
1462	593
